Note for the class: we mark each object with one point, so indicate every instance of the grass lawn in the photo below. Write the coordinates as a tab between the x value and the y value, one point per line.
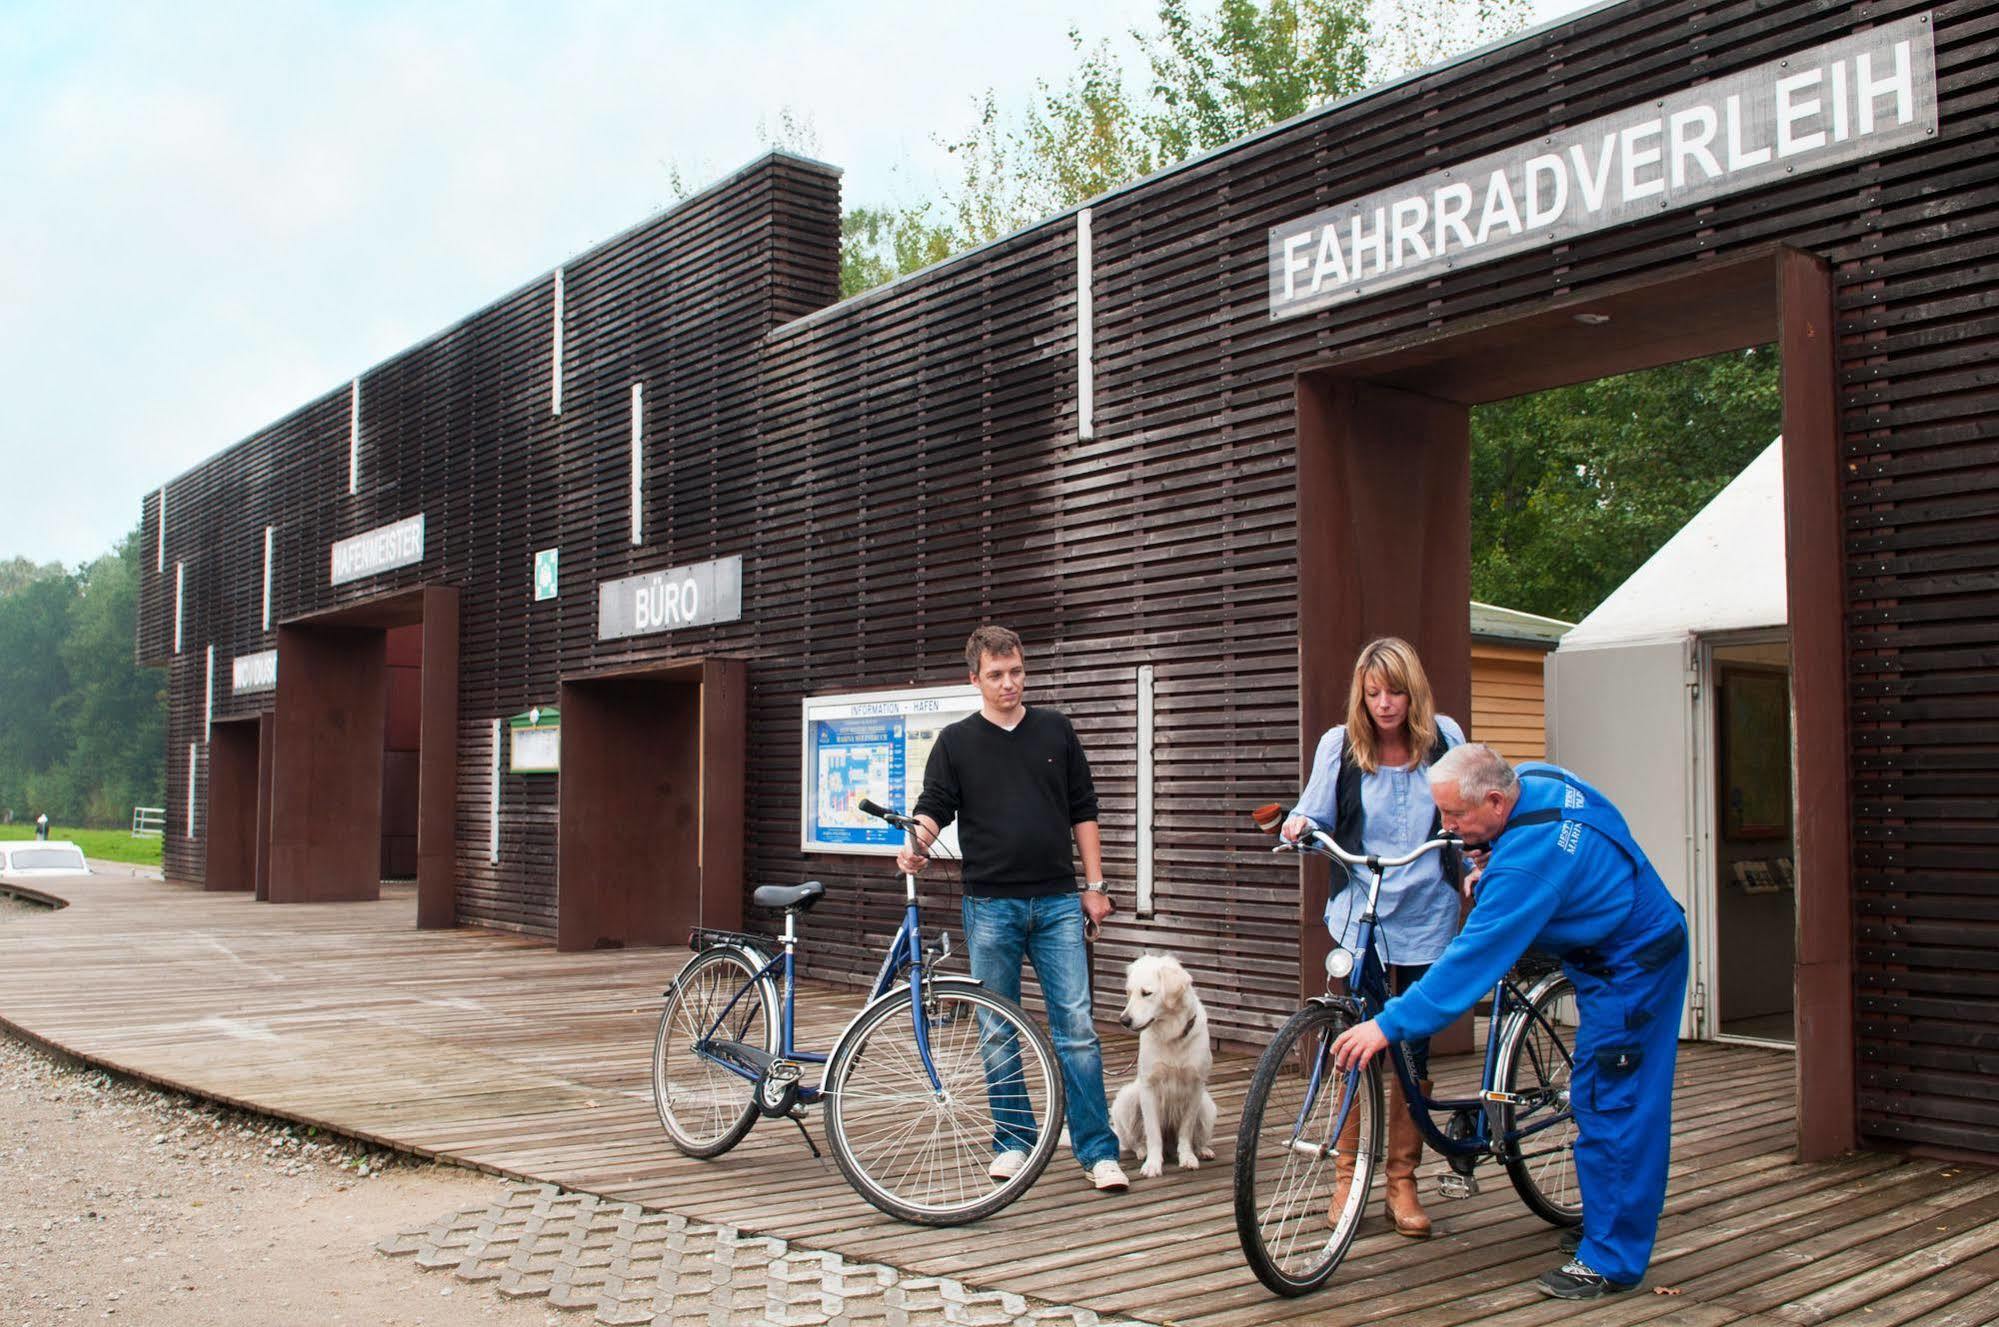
113	845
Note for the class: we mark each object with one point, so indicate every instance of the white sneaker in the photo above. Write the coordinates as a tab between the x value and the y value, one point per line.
1109	1177
1007	1164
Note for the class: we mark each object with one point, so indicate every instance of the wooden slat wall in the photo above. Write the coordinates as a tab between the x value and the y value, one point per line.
898	467
1508	700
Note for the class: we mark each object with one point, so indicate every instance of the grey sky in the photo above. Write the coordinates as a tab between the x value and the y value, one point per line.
217	212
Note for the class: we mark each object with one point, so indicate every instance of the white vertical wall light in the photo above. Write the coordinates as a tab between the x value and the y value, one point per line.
267	578
180	591
555	354
354	437
493	794
193	769
1086	333
1144	829
638	462
208	700
160	553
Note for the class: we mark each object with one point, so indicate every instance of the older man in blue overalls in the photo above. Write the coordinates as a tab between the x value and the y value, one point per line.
1564	876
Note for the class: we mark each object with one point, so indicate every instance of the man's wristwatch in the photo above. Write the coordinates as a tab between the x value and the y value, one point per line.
1097	887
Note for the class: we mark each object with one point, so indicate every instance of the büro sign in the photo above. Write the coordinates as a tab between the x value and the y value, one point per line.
1858	97
696	596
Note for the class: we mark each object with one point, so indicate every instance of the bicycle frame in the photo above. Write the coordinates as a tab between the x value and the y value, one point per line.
905	951
1368	992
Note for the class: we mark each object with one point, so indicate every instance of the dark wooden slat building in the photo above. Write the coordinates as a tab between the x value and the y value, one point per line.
1102	432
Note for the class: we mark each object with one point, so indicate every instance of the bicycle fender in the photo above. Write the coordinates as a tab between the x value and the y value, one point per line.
756	958
1346	1004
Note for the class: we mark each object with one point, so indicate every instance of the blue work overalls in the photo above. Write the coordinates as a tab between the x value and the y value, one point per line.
1566	877
1630	988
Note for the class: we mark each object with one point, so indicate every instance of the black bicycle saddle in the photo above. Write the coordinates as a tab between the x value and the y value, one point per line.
801	897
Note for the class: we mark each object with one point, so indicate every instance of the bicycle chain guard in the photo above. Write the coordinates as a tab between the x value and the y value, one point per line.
777	1088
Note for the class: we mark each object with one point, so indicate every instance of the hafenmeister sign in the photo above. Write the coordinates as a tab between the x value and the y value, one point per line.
1861	96
379	550
695	596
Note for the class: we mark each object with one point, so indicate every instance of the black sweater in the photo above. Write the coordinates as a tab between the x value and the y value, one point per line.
1016	797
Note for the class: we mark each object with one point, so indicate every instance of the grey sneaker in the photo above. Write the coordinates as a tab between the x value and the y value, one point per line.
1109	1177
1576	1279
1007	1164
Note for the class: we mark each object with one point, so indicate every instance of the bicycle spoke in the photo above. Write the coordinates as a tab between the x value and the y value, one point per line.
922	1149
1291	1159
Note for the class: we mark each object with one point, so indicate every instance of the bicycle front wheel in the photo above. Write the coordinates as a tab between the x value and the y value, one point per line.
1535	1064
924	1151
704	1106
1301	1176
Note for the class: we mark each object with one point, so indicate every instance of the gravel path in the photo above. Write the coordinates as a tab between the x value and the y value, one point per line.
119	1203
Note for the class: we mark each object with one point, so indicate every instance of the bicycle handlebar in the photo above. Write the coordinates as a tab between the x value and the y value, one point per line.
880	812
1323	842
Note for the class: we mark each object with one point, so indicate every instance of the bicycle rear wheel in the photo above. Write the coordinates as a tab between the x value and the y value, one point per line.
922	1153
1535	1063
704	1107
1293	1218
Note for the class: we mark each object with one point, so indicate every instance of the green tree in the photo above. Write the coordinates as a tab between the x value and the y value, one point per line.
879	244
1213	78
115	711
1217	79
34	620
82	726
1573	489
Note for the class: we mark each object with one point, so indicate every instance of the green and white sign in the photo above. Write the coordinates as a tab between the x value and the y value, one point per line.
535	745
544	573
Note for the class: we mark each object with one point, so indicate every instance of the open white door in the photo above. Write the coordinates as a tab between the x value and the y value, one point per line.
1626	719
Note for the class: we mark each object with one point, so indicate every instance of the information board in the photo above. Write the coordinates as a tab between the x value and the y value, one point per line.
536	741
871	745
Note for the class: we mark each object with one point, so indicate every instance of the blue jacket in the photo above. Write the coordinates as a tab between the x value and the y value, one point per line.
1565	876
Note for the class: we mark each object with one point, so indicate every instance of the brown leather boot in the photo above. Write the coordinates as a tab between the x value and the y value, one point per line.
1405	1150
1343	1165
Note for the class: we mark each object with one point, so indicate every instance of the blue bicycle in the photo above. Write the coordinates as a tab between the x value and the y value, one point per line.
928	1088
1311	1136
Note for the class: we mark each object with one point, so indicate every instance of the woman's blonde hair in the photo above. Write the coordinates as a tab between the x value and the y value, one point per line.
1394	661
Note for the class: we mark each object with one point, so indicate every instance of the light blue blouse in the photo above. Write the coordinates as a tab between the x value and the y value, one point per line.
1418	910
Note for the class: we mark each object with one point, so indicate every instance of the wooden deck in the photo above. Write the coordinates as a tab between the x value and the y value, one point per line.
498	1052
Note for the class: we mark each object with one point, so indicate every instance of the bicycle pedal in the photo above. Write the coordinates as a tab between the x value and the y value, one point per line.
1457	1186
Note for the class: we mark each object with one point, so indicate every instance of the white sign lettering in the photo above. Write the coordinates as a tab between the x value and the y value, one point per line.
695	596
255	672
379	550
1858	97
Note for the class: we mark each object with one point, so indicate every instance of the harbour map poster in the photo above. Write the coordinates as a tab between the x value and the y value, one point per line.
872	746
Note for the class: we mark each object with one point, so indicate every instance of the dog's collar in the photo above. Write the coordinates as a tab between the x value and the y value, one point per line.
1187	1031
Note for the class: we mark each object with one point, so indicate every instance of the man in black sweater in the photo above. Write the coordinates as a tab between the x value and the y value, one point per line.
1016	781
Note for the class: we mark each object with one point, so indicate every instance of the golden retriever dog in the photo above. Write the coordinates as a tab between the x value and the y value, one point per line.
1170	1097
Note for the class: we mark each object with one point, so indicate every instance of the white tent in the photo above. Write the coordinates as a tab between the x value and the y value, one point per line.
1632	708
1724	570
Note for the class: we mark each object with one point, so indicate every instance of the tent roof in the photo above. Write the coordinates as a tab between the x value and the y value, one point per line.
1724	570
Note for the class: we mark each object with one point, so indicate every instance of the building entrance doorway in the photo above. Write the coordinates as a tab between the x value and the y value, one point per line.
1410	400
651	804
1752	889
239	804
343	676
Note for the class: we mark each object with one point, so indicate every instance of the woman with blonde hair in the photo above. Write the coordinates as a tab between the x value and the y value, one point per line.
1369	791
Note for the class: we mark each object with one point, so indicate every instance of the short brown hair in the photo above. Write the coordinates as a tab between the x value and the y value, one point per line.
996	641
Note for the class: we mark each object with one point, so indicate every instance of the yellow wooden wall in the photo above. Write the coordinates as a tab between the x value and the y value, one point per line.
1507	711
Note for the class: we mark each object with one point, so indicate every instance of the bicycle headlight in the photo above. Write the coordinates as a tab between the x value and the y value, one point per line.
1339	963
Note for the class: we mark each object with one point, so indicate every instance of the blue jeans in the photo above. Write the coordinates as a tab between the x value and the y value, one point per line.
999	932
